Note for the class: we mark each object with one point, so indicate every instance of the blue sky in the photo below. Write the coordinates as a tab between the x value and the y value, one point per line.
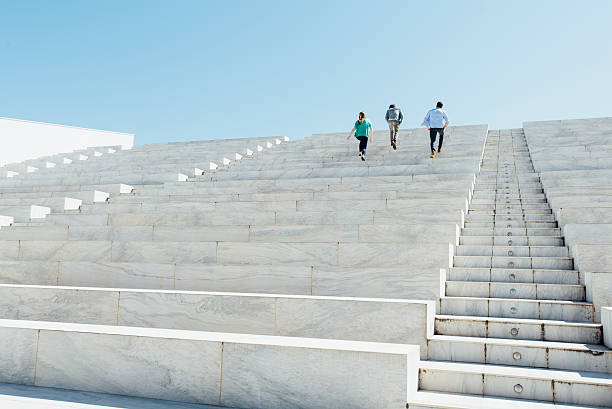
187	70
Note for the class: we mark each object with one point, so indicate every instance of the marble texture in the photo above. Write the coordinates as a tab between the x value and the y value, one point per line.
174	369
116	275
18	355
315	379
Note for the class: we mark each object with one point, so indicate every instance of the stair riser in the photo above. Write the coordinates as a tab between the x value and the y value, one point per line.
515	291
514	276
517	355
524	331
518	309
503	386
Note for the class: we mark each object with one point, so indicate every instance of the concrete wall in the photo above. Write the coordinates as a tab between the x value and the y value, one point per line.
23	140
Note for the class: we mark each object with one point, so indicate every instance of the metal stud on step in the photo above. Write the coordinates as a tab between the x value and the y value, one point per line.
509	226
516	356
518	388
514	332
512	276
509	233
513	310
510	252
513	291
509	242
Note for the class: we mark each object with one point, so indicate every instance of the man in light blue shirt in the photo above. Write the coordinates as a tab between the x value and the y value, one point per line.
436	122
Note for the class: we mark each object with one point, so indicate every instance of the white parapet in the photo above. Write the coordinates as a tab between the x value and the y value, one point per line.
72	204
186	366
198	172
10	174
110	150
278	141
238	156
6	220
99	196
286	138
213	166
606	320
181	177
268	144
83	157
226	161
97	154
39	212
249	152
259	148
31	169
67	161
50	165
31	139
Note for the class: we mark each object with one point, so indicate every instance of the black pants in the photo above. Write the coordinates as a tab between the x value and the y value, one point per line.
433	132
363	144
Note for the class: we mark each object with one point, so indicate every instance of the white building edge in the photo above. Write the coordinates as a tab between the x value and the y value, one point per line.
22	139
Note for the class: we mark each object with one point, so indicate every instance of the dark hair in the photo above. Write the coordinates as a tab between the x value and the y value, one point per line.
391	106
361	117
439	104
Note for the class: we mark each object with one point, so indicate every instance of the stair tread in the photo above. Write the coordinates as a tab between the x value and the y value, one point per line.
520	371
445	400
512	283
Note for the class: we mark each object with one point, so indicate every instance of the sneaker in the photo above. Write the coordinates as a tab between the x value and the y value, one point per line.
363	158
433	154
439	150
394	145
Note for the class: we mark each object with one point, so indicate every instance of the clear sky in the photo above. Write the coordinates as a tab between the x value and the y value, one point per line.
187	70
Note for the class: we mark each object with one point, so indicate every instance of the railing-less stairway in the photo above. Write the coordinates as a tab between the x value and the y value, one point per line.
514	322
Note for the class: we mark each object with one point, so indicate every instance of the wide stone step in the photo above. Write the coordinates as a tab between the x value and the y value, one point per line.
517	328
186	365
441	400
357	319
571	387
56	204
515	290
534	354
507	216
291	253
514	250
518	308
512	262
514	275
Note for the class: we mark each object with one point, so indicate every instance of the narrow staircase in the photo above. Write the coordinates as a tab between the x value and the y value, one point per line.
514	322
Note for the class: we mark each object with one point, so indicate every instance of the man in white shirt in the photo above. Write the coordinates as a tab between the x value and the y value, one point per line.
436	122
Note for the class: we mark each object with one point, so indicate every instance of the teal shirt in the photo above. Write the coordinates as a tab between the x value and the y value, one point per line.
363	129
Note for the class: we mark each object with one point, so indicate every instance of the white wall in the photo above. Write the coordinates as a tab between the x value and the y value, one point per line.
21	140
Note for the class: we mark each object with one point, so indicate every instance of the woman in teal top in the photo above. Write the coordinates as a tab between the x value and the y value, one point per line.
362	129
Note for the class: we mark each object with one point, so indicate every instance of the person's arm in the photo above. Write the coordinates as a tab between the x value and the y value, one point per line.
387	116
446	124
426	120
446	119
401	116
351	134
371	130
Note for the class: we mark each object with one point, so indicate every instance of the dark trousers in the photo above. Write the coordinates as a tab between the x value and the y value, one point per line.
363	144
433	132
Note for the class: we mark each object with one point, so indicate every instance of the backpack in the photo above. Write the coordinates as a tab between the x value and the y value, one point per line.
393	114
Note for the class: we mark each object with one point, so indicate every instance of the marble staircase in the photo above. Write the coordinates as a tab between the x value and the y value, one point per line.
514	321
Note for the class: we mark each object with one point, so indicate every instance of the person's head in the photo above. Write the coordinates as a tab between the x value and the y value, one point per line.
439	104
391	106
361	117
